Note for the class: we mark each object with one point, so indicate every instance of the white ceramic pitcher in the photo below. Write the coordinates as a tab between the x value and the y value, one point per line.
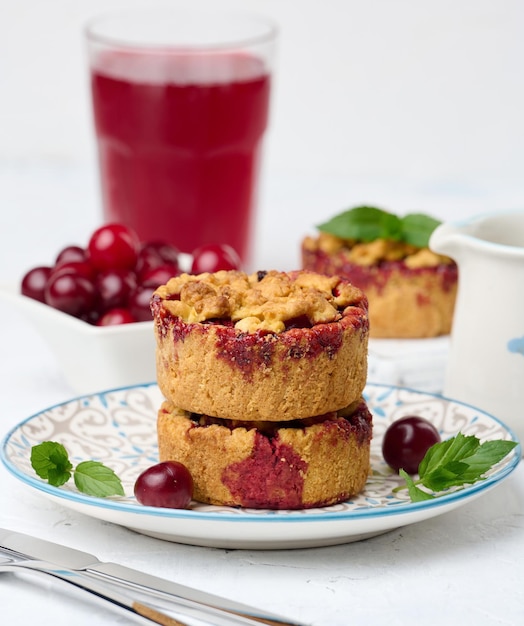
486	360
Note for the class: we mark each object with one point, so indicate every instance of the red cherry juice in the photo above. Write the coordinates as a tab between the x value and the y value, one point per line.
179	144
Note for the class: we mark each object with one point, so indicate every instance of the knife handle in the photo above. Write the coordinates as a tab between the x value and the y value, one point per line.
100	591
155	616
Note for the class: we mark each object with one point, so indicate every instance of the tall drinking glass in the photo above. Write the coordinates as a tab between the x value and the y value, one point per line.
181	102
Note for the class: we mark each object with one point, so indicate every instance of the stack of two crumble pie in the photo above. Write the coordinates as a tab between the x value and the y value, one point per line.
263	376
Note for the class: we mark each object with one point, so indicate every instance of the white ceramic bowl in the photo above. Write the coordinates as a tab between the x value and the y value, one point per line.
92	358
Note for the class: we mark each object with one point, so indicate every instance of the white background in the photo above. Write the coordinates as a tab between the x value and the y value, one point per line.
410	88
410	104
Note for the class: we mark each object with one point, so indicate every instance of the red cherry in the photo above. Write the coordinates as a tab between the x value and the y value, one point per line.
83	268
158	275
406	441
167	252
70	253
70	293
114	288
168	484
139	303
214	257
115	317
113	246
154	254
34	282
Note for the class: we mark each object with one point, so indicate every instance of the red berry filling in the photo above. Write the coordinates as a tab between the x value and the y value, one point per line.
273	475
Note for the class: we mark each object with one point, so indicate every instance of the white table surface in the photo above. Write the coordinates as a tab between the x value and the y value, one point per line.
463	567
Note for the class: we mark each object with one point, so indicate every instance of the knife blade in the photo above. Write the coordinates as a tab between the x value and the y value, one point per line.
31	547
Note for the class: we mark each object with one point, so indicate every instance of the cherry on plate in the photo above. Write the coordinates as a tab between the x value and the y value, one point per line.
215	257
168	484
406	442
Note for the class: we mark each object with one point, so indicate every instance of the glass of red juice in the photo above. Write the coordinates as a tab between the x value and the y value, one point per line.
180	102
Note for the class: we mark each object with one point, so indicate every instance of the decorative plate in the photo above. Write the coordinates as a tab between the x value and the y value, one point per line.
118	428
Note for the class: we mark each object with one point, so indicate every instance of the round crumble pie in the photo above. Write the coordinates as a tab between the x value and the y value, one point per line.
270	346
411	291
307	463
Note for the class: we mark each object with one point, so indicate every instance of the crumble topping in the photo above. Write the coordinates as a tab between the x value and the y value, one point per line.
372	253
259	301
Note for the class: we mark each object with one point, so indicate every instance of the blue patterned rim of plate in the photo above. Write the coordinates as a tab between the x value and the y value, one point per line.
117	428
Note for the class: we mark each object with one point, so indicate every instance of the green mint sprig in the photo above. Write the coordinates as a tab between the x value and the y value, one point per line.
366	223
461	460
50	461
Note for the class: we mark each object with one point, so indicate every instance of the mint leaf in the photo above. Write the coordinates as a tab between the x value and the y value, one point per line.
487	454
444	452
95	479
455	462
445	477
366	223
417	229
415	493
51	462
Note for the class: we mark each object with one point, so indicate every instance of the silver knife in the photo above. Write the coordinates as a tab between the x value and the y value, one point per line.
100	591
31	547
